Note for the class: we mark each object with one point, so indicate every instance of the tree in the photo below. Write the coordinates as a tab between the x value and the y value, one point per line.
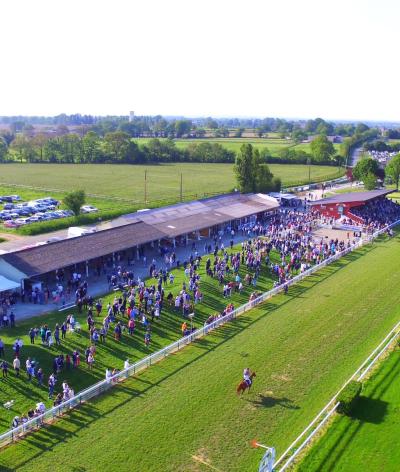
370	181
239	132
365	166
182	127
259	131
3	149
322	149
91	147
74	200
244	169
211	124
325	128
251	174
23	146
117	144
38	143
361	128
393	170
7	136
298	135
264	179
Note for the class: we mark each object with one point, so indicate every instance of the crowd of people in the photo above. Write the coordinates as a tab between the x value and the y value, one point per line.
378	213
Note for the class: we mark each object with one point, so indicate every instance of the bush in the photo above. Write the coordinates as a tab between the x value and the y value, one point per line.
63	223
349	397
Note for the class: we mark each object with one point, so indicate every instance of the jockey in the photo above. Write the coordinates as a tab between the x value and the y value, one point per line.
246	376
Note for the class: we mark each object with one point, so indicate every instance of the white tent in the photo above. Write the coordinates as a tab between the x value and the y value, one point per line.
7	284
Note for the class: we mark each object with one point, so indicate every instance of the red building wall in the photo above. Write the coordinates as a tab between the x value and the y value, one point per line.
332	210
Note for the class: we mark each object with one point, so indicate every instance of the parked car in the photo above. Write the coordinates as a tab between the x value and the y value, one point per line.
21	221
53	240
10	224
88	209
8	206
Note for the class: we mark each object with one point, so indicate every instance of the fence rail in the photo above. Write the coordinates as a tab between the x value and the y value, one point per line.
102	386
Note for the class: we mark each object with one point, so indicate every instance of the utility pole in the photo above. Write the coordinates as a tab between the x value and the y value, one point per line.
145	186
181	193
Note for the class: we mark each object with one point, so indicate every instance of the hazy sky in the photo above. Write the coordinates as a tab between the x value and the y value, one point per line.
290	58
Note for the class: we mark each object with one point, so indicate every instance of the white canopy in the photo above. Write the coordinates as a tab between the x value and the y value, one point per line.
7	284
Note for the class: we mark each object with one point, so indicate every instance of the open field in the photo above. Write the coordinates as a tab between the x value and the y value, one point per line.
163	181
274	144
120	189
184	412
113	354
365	441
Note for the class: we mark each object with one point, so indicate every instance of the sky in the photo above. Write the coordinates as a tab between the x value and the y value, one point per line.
288	58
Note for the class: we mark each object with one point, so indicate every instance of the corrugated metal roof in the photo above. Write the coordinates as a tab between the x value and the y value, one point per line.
360	197
49	257
152	225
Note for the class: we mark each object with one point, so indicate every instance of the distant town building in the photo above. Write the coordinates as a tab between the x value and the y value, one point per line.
131	116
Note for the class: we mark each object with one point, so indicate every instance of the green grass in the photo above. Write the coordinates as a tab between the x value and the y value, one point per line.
365	440
302	346
274	144
119	189
127	181
113	354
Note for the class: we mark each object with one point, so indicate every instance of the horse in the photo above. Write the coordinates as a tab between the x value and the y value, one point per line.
243	386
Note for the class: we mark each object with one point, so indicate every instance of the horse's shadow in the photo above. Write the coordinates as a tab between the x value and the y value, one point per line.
264	401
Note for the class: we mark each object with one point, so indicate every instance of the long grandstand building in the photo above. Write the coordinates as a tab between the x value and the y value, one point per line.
169	226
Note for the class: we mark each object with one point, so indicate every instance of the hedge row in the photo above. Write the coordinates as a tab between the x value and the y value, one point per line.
349	397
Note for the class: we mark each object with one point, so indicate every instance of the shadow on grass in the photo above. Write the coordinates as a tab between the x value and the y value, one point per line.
50	436
264	401
370	410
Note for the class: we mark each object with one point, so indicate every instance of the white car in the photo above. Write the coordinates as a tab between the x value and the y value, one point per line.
88	209
21	221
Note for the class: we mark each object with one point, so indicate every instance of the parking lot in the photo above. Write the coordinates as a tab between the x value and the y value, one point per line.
17	213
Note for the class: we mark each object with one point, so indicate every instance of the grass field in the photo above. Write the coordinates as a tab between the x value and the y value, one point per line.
366	440
113	354
121	189
274	144
184	412
163	181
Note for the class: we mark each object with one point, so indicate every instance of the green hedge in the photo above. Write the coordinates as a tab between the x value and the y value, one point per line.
63	223
349	397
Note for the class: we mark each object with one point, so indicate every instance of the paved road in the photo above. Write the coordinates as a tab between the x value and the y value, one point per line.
355	156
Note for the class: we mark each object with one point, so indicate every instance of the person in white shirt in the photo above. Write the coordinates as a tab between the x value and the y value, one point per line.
108	375
246	376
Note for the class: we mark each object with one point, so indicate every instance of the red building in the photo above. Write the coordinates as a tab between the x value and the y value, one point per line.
341	204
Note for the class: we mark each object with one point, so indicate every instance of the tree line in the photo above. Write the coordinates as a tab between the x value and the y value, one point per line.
159	126
381	146
120	147
116	148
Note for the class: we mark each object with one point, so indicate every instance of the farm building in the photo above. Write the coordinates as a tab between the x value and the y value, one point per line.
163	227
341	205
